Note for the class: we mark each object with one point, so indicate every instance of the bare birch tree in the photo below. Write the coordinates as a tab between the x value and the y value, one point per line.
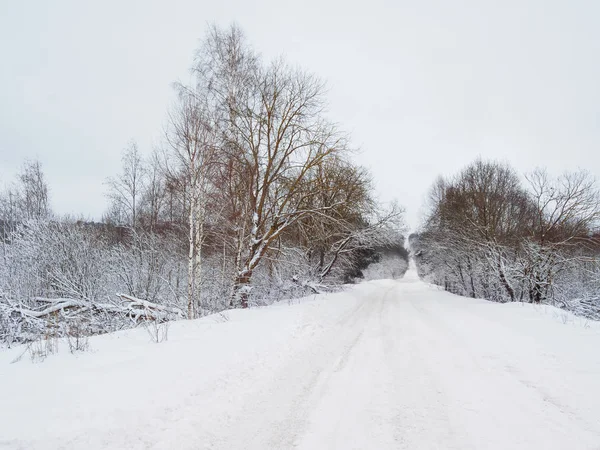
273	132
281	137
192	139
125	190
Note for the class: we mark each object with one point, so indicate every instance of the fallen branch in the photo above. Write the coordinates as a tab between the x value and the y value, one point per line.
150	306
60	304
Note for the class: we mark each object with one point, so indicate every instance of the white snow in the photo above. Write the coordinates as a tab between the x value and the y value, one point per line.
384	365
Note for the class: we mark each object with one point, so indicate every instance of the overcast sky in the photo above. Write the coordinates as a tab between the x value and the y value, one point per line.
424	87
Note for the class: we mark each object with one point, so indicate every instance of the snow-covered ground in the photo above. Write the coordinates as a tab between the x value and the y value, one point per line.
384	365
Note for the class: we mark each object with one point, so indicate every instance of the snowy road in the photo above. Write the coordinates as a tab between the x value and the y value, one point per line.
386	365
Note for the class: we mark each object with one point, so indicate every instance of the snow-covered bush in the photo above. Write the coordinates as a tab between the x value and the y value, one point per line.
71	279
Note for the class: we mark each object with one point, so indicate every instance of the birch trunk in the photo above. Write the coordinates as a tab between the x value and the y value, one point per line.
191	261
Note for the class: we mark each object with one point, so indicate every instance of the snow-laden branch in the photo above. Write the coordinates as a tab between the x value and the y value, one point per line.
136	303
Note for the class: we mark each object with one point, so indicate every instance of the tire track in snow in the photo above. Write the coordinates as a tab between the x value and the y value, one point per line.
286	400
423	415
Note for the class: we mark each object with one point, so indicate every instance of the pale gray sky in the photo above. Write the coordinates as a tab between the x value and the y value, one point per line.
423	86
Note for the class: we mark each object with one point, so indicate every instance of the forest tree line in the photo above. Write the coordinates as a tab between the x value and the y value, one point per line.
252	196
493	234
